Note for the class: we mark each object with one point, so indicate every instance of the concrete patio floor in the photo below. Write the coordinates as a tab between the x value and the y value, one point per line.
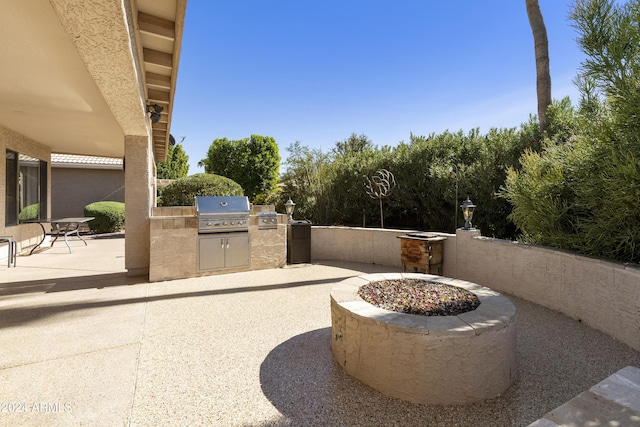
82	344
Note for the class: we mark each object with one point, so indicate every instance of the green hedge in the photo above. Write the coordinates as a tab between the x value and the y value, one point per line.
109	216
182	192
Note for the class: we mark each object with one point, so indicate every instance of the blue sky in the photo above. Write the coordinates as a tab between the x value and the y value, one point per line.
317	71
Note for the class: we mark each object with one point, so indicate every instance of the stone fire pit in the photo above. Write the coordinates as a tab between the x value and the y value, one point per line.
444	359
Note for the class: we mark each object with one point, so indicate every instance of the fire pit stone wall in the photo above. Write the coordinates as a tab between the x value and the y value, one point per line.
445	360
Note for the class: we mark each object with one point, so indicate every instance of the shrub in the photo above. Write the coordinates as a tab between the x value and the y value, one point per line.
109	216
329	188
182	192
30	212
581	192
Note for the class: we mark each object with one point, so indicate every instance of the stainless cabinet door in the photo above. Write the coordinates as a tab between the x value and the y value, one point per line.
237	250
211	252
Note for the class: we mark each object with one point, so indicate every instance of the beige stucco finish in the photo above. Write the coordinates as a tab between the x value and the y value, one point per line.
47	93
139	199
432	360
112	67
78	77
367	245
604	295
25	234
174	245
74	188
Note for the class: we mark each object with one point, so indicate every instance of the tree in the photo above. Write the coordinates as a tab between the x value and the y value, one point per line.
252	162
176	165
309	181
543	75
581	193
610	37
355	144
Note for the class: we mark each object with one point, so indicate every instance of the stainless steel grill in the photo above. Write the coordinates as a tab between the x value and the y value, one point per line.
223	227
222	214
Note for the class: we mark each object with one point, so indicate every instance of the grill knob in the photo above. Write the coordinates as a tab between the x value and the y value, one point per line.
233	223
224	223
208	224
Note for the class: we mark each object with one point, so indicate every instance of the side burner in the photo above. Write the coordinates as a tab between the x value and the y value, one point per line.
267	220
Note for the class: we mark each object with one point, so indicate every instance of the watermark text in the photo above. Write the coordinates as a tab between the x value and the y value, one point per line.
42	407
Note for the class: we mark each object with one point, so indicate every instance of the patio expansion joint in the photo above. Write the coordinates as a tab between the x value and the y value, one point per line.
139	355
23	268
68	356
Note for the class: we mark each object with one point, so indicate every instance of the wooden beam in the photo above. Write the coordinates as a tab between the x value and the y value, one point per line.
158	81
158	96
155	26
160	126
158	58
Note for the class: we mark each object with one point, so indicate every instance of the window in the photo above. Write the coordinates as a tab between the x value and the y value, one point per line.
11	206
26	191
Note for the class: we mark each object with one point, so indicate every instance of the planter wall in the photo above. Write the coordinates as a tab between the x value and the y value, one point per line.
602	294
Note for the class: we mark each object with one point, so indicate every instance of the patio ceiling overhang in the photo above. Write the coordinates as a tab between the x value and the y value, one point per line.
78	76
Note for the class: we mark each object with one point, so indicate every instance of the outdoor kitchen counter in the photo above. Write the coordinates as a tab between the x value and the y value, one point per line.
174	235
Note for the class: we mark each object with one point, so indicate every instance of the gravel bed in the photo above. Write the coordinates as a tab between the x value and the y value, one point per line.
421	297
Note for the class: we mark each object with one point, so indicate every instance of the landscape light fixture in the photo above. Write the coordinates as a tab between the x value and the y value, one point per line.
467	211
154	112
290	206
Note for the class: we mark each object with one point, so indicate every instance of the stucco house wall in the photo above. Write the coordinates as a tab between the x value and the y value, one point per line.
25	234
77	183
82	81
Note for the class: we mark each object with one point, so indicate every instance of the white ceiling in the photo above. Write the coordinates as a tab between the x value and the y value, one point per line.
46	92
72	83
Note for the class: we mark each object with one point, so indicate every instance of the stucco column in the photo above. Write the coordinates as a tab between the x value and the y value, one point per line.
139	199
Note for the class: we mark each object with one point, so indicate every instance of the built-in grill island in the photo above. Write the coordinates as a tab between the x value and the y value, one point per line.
220	234
223	232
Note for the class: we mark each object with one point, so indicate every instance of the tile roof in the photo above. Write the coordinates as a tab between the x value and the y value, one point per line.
70	160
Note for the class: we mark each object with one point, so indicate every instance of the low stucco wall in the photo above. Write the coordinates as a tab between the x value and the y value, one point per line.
602	294
367	245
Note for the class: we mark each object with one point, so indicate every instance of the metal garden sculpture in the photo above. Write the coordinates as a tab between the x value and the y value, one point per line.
380	186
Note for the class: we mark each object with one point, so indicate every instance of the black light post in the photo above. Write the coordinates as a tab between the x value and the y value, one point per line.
467	211
455	211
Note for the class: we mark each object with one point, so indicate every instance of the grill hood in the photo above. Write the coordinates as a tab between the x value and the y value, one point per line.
222	214
222	205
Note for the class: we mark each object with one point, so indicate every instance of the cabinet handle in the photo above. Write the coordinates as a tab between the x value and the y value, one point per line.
222	243
227	243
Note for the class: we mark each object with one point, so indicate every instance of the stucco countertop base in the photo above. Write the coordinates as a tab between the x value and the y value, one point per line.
426	359
174	244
